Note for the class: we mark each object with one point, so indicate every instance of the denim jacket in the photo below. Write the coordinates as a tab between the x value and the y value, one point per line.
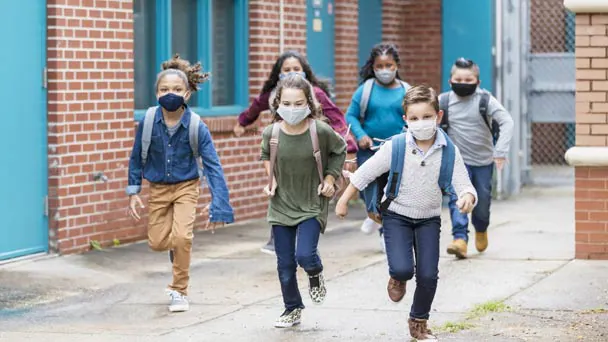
170	161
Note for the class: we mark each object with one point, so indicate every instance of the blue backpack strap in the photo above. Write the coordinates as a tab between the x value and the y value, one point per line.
193	127
396	171
448	156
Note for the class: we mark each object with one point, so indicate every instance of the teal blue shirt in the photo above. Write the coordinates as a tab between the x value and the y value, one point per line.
384	117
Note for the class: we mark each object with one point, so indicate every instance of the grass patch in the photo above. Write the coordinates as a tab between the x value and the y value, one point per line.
486	308
454	327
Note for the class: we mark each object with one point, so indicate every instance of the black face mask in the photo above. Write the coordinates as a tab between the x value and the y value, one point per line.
464	89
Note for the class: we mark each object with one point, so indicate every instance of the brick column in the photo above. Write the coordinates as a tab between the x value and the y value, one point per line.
347	49
590	155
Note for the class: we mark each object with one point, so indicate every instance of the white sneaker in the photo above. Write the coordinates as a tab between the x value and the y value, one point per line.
369	226
179	302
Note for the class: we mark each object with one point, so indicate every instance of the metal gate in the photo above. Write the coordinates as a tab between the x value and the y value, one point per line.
550	93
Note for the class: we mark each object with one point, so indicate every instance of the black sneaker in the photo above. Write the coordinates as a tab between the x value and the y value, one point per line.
316	288
171	256
269	248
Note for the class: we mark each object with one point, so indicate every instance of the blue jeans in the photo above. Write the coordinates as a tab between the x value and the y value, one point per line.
481	177
369	195
405	236
296	246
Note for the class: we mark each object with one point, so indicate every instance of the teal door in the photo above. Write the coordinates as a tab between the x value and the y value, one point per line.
468	31
23	175
370	27
320	45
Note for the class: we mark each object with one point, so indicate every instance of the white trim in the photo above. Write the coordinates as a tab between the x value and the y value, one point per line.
587	156
587	6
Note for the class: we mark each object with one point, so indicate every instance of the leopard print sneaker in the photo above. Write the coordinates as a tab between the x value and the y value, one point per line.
289	318
316	288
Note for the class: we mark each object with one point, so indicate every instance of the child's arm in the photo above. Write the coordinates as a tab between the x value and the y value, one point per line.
251	114
504	120
461	181
377	165
352	115
135	163
220	209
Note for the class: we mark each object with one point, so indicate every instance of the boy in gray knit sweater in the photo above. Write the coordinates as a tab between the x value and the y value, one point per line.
474	138
412	220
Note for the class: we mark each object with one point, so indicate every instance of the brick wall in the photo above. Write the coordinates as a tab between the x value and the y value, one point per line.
347	50
90	119
415	27
591	194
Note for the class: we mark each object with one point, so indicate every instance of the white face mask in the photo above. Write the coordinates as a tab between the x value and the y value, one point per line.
423	129
293	115
385	76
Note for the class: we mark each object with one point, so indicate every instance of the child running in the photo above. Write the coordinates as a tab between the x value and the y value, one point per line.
168	144
290	63
303	157
375	112
411	207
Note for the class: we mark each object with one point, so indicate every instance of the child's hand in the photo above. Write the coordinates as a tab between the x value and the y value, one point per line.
465	203
500	163
365	143
134	202
327	189
271	192
342	208
238	129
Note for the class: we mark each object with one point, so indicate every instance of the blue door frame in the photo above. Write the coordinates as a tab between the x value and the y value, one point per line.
467	30
320	47
24	171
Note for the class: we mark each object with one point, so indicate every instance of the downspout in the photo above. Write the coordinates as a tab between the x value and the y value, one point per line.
281	30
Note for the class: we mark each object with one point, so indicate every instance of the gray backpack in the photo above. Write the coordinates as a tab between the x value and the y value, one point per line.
367	91
146	137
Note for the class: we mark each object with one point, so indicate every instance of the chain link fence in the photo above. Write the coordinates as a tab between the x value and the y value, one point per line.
550	92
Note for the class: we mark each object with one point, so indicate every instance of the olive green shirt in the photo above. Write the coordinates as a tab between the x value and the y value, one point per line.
296	198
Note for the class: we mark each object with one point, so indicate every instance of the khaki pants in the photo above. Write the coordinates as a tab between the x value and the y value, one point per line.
171	222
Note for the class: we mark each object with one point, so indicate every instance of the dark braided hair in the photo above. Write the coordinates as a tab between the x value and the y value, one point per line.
192	75
296	82
367	71
273	79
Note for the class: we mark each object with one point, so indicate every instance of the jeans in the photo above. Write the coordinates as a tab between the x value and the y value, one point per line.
406	237
296	246
481	178
369	195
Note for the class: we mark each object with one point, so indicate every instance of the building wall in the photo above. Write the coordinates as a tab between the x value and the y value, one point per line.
90	107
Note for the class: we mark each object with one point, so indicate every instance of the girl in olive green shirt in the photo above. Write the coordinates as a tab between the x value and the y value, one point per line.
299	199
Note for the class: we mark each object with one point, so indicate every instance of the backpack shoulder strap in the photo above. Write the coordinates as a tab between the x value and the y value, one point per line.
444	104
274	145
448	156
404	84
315	148
483	107
367	91
146	134
195	121
396	170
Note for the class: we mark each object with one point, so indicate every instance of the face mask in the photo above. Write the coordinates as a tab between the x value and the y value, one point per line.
464	89
293	116
301	73
423	129
385	76
171	102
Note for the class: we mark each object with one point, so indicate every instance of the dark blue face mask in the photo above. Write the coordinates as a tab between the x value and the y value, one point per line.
171	102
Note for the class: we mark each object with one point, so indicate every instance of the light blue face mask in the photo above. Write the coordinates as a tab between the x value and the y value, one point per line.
301	73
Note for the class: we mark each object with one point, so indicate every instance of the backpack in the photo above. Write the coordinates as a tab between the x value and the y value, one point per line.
393	177
367	91
274	146
146	136
444	101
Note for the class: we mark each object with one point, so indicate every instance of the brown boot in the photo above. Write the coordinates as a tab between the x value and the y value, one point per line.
458	248
419	329
396	289
481	241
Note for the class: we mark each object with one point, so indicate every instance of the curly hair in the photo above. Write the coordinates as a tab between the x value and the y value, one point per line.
421	93
273	79
296	82
367	70
192	75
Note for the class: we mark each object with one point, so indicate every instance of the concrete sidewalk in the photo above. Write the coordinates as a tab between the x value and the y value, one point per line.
525	287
